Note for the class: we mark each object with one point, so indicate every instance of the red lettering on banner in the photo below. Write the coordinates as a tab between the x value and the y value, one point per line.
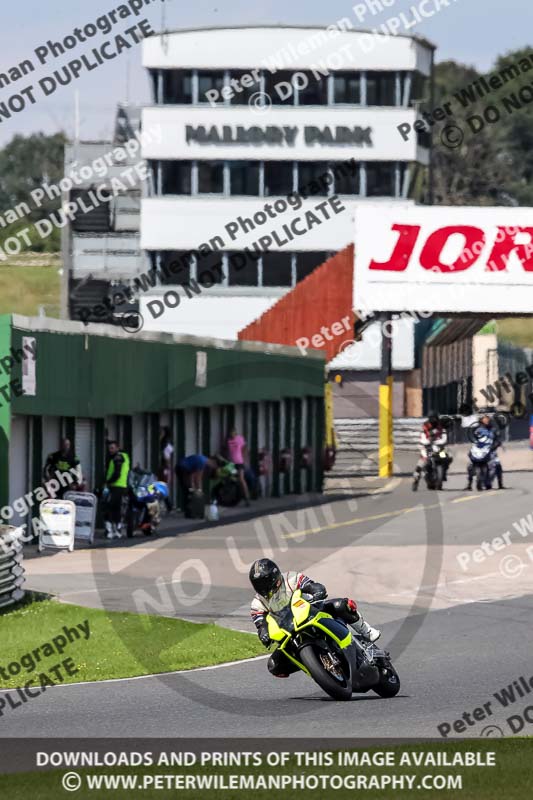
403	250
430	257
432	250
502	249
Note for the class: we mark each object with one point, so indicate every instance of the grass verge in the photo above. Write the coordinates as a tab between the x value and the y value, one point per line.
511	777
24	288
119	645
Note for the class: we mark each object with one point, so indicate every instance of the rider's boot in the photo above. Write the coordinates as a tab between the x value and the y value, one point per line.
109	530
118	530
366	630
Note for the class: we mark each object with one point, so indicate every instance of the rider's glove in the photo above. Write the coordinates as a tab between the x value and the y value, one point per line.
262	632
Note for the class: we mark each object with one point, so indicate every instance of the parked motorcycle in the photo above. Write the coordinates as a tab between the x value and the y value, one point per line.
225	486
435	461
330	651
145	496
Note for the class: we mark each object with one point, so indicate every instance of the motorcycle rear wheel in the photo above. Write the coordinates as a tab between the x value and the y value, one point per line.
389	682
228	493
338	689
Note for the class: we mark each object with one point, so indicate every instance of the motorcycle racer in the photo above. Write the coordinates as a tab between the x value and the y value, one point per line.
486	435
274	590
433	433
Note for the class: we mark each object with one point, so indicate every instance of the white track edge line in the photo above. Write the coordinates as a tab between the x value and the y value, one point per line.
153	675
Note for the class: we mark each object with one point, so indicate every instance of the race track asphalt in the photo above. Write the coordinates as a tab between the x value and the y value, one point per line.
457	634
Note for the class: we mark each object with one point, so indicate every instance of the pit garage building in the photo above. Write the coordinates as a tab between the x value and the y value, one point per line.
57	379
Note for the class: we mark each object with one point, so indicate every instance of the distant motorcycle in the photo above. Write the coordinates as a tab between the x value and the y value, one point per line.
435	460
480	457
145	496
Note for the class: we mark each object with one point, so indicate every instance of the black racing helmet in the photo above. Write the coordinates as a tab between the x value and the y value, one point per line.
433	418
265	577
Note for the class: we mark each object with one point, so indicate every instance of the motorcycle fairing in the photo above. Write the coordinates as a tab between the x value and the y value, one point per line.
300	610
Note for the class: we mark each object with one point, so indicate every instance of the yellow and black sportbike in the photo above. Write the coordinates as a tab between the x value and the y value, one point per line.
330	651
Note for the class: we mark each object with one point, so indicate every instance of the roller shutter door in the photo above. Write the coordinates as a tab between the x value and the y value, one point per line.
85	450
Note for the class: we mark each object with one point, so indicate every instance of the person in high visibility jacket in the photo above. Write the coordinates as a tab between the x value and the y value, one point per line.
116	478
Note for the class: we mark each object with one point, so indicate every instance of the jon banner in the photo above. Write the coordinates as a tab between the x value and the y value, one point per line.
444	259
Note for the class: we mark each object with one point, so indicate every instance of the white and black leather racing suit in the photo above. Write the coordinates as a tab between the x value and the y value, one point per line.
431	436
342	608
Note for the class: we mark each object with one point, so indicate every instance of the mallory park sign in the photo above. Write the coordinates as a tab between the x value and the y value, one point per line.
285	136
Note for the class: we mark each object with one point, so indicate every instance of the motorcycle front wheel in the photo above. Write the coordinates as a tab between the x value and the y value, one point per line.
430	480
481	481
329	669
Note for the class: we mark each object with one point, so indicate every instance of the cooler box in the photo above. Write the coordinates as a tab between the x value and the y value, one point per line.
58	522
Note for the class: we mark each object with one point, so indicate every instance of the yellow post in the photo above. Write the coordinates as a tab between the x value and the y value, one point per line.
331	436
386	446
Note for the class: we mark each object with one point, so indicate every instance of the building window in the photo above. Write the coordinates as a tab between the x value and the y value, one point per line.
177	87
347	88
176	177
307	262
316	91
95	220
278	178
279	87
207	82
380	179
380	89
419	88
175	267
277	269
154	76
210	269
311	175
211	177
243	269
244	86
244	177
347	177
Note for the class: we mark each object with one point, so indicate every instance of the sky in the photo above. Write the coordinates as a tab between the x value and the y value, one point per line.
472	32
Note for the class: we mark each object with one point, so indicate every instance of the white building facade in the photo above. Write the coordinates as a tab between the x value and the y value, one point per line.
260	127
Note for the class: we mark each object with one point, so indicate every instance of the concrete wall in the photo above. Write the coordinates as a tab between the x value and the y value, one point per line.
358	395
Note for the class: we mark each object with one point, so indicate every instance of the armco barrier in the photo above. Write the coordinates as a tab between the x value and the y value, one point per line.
11	565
